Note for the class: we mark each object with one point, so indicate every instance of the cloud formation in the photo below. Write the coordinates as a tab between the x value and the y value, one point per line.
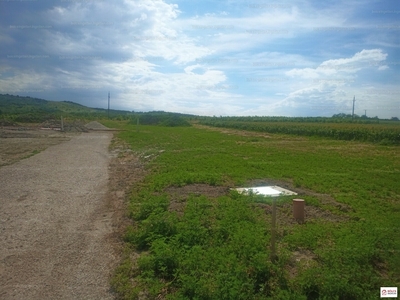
232	58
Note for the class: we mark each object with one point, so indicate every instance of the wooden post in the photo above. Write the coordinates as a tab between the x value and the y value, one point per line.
137	124
273	234
62	123
298	210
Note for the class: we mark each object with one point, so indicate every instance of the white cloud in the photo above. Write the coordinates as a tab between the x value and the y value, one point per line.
141	28
334	67
330	83
359	60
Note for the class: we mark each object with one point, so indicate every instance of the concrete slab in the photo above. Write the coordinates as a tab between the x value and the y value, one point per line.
271	191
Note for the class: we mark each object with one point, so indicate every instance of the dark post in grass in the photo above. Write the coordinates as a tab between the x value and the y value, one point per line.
273	238
298	210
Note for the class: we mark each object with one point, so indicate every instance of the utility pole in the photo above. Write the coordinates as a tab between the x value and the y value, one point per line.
365	112
352	114
108	104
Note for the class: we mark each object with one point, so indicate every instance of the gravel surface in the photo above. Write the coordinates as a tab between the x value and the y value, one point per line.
55	222
16	145
94	125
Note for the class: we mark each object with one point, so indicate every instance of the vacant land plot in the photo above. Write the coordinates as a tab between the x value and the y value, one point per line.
56	217
17	143
192	237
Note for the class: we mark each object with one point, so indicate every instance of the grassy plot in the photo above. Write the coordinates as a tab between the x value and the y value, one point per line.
199	240
375	131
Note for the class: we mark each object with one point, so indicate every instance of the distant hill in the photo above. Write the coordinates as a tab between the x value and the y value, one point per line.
28	109
10	104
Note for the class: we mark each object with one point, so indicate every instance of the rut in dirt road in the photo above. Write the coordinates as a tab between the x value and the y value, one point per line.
54	223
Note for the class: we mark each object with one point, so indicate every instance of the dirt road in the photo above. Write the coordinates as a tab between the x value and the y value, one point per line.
54	222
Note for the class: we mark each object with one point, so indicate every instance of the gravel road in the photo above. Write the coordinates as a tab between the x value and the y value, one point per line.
55	220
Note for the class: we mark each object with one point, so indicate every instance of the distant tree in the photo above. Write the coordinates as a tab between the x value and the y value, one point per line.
392	118
341	115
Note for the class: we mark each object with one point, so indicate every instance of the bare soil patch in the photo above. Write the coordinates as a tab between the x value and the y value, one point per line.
17	143
63	212
125	170
54	222
94	125
68	125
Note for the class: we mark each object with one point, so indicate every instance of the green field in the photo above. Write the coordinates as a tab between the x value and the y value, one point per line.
373	130
193	238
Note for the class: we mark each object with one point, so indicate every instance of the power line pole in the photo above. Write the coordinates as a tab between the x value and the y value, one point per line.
108	104
352	114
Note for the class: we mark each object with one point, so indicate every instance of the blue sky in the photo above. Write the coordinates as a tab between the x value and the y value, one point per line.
225	57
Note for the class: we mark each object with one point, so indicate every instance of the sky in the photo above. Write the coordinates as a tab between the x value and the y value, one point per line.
203	57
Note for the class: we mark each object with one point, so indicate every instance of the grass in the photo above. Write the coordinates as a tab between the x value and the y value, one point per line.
218	247
34	152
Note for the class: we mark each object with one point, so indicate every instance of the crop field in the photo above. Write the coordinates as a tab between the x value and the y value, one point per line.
368	130
191	237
